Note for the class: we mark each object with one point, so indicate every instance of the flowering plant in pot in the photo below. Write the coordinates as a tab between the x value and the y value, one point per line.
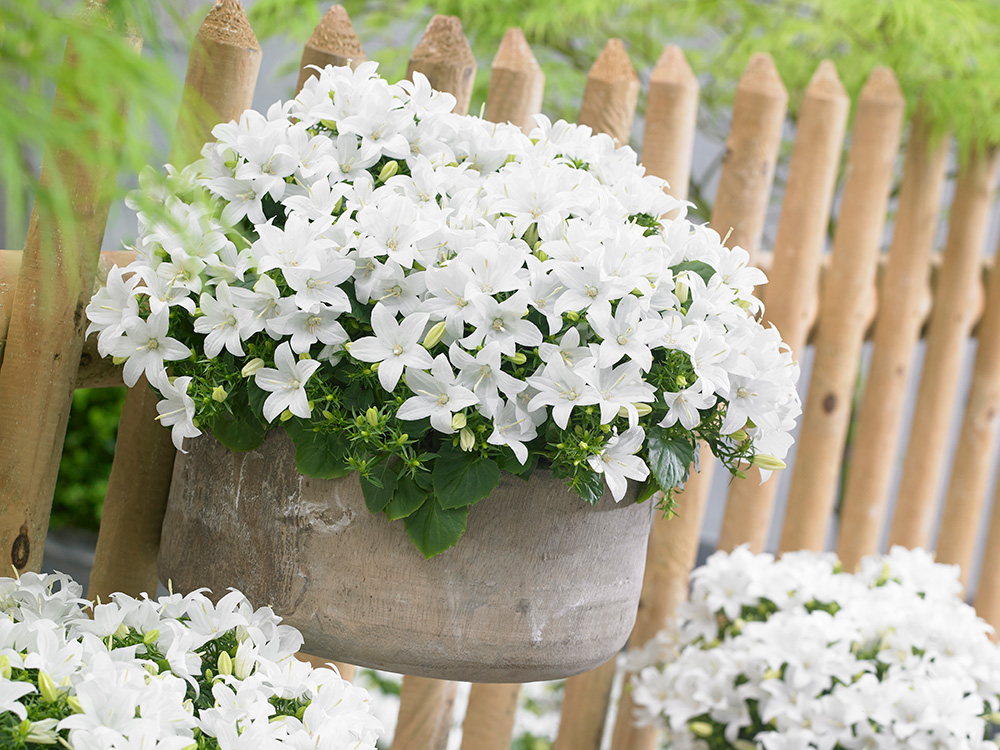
796	653
176	673
430	300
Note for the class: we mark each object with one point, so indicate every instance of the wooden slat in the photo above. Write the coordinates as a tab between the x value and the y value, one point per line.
222	74
671	119
988	590
10	267
333	42
951	323
847	305
611	94
517	83
444	56
790	295
904	305
47	322
489	717
425	708
970	473
585	708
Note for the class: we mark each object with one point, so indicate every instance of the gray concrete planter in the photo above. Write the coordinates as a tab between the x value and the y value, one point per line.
541	586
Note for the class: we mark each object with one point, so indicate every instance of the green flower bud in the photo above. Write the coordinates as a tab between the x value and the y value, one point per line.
225	664
304	356
519	358
119	360
327	415
251	367
458	421
74	704
219	394
466	439
739	436
390	168
371	416
5	668
434	335
285	415
643	409
701	729
150	638
573	315
47	688
681	290
739	744
765	461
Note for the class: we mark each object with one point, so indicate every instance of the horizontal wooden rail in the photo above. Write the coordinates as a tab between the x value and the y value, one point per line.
97	372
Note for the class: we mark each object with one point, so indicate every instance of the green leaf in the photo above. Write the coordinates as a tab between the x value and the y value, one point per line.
239	429
508	462
650	488
433	528
317	454
379	487
589	485
256	396
462	479
407	498
699	267
670	457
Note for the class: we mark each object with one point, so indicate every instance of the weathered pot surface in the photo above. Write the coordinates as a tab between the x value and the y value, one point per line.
541	585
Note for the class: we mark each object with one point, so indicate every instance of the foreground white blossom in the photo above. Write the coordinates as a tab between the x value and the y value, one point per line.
112	683
797	654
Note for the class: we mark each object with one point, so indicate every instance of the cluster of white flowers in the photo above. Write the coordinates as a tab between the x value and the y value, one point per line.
177	673
794	654
481	271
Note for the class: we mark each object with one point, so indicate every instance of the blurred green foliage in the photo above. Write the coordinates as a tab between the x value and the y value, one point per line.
87	455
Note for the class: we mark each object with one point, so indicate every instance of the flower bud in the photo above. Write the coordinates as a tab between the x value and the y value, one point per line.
5	668
466	439
225	663
701	729
251	367
371	416
119	360
765	461
739	436
286	415
681	290
150	638
327	415
74	704
519	358
643	409
739	744
388	170
219	394
458	421
573	315
303	356
47	688
434	335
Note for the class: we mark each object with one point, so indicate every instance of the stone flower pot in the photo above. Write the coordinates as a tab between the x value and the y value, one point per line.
541	586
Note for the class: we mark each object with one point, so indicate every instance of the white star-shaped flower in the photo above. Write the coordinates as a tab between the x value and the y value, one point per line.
394	345
146	345
618	462
438	395
286	382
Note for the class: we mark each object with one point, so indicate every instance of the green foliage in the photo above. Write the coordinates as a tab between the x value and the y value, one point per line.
86	458
89	118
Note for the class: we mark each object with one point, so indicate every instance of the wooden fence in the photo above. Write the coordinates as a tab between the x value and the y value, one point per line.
834	300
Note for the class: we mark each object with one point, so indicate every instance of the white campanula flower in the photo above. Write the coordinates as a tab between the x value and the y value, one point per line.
618	462
286	383
438	395
394	345
795	653
147	346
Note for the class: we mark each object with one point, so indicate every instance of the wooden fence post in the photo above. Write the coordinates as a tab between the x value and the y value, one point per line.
333	42
970	472
516	83
951	323
897	329
791	293
444	56
222	73
515	94
608	106
425	708
671	120
47	322
988	591
845	311
611	94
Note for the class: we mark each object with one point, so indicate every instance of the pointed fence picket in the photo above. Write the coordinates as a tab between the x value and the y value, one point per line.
831	298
